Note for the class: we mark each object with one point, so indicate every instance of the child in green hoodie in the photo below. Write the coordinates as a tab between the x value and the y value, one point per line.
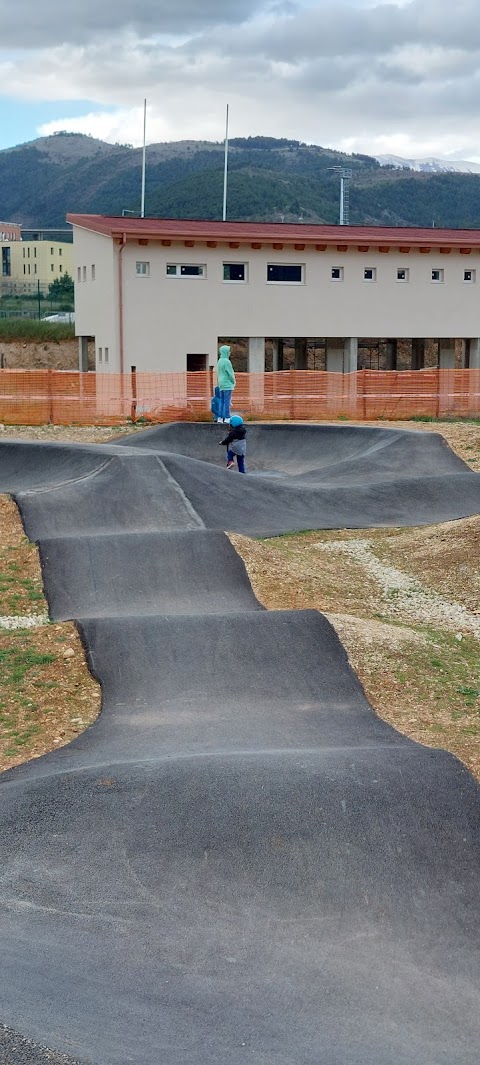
226	382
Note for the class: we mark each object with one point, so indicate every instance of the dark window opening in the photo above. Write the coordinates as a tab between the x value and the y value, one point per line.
234	271
6	263
197	363
191	271
285	272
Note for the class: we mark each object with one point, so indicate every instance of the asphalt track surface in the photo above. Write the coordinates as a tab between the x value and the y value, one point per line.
238	862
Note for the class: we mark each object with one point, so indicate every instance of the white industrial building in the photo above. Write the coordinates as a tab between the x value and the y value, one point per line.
158	293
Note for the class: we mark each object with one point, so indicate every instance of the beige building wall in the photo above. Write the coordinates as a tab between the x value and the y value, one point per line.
96	296
167	317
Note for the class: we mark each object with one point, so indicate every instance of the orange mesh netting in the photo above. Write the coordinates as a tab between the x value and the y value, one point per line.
61	397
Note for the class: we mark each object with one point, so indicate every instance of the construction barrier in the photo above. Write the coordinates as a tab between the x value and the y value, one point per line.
62	397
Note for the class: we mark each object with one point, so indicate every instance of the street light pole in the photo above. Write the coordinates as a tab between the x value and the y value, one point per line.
142	207
345	175
225	171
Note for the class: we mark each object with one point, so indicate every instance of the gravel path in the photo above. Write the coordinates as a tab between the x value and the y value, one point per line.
403	595
28	621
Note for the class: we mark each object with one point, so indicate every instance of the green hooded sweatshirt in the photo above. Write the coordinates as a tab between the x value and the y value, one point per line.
225	371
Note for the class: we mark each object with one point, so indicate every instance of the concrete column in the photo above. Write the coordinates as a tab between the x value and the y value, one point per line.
391	355
474	354
301	353
83	354
256	355
446	354
334	354
256	367
446	361
418	353
275	344
350	355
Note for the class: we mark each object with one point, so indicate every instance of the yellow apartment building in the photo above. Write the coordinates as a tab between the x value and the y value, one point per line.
25	263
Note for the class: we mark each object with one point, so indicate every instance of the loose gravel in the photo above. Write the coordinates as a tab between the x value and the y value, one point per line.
404	596
15	1050
28	621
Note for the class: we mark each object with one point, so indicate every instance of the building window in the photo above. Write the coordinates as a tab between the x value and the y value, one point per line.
6	263
52	268
235	271
59	251
403	273
93	272
337	273
60	269
470	276
28	253
285	273
99	354
29	267
84	273
106	354
370	273
51	251
34	253
143	269
437	276
23	249
35	268
79	273
24	268
186	270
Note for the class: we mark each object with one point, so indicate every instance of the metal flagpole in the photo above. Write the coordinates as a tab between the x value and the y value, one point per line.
225	173
142	209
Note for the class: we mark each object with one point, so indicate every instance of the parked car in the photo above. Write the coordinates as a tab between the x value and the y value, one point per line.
62	317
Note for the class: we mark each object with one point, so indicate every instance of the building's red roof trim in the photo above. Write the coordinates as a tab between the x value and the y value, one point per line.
269	232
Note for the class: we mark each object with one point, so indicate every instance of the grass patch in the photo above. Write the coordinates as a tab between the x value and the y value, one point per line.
20	666
430	691
20	591
47	696
33	329
445	420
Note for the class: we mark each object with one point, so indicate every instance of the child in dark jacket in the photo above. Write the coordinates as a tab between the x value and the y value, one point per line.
216	404
236	443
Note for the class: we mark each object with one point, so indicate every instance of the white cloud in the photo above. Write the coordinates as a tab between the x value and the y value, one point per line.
122	126
359	72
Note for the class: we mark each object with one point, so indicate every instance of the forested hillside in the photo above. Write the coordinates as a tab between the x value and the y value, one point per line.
269	180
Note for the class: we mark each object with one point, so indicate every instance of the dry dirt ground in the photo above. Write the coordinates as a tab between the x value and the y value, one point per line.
43	354
404	602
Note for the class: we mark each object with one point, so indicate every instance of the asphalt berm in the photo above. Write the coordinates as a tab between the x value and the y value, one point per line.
238	862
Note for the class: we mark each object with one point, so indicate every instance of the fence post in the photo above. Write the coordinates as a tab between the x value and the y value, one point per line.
50	396
133	408
362	377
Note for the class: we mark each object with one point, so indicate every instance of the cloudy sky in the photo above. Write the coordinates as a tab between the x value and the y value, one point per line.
400	77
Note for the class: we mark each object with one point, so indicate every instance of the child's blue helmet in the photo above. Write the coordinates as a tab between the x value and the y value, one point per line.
235	420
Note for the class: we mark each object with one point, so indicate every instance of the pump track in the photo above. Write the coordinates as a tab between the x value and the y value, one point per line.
238	862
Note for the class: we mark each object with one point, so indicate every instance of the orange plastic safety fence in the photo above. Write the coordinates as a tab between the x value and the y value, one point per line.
37	397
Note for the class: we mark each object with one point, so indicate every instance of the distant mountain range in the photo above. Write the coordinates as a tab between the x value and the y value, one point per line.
269	180
431	166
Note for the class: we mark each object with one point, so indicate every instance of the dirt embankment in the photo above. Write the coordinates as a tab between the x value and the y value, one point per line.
43	354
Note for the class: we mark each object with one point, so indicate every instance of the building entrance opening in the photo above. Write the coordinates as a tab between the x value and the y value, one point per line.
197	363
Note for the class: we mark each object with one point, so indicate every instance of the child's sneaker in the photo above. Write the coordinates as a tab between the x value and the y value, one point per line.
219	421
230	465
226	421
